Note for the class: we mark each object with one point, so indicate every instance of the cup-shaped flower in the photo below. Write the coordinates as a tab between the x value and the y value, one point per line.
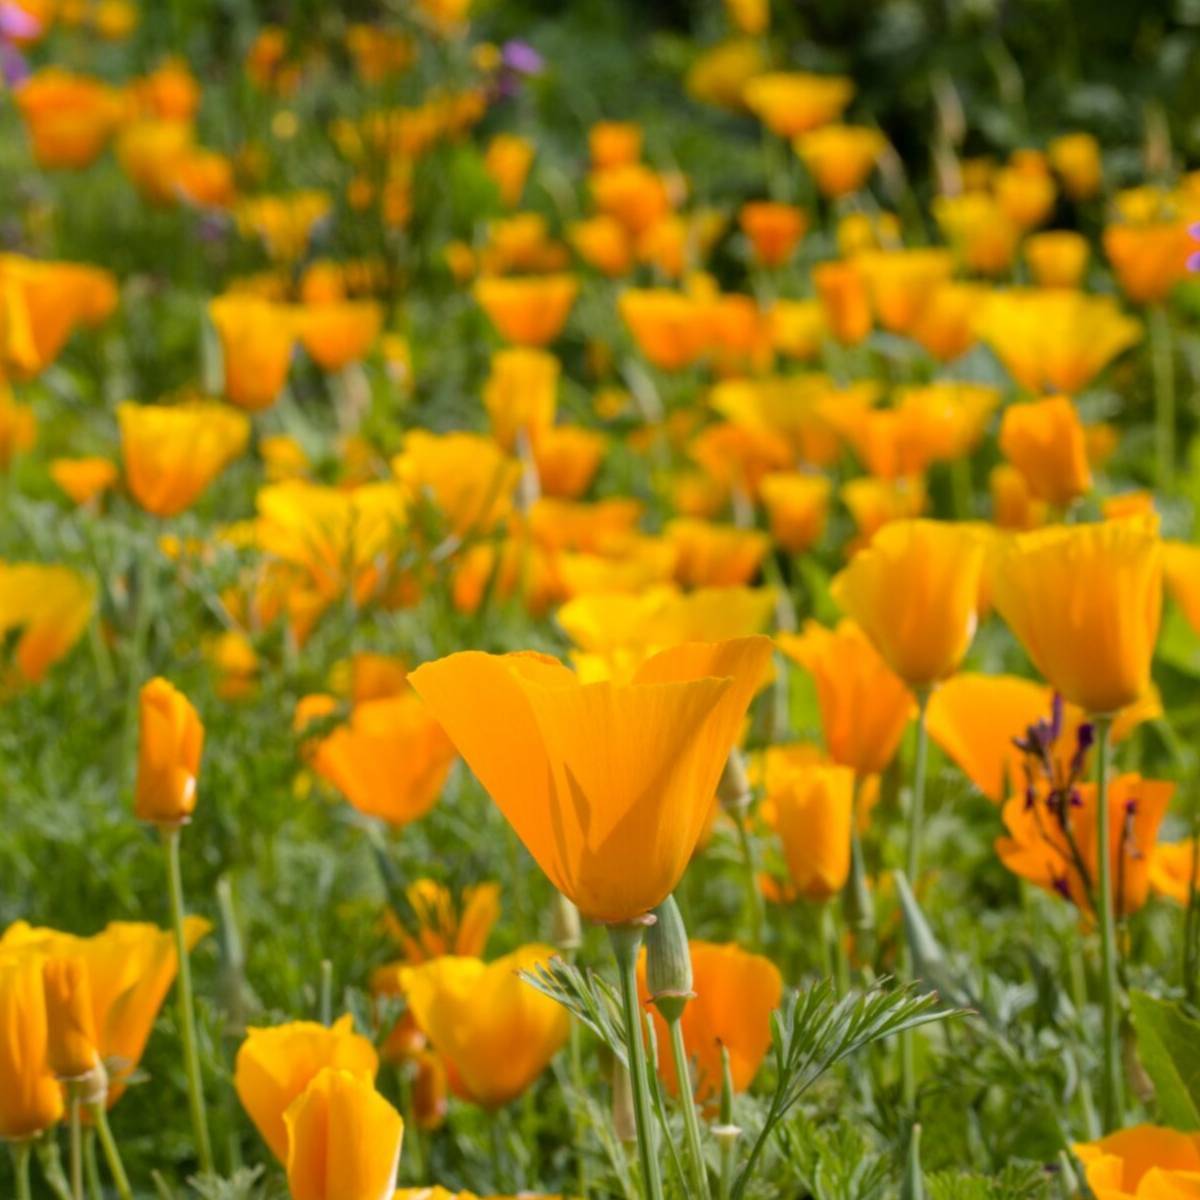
528	311
840	157
338	333
793	102
171	454
496	1033
1085	601
521	393
276	1064
72	1042
735	994
1058	259
30	1098
1076	159
1045	441
45	609
607	784
772	229
797	506
170	742
915	592
343	1140
257	337
811	808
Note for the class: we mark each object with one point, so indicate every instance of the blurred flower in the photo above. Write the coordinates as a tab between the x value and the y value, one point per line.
69	117
495	1032
1076	158
44	610
603	243
750	16
1044	440
946	324
720	75
1025	196
567	459
1052	838
811	808
614	144
666	326
840	157
390	760
170	742
257	337
843	293
1053	340
715	555
285	223
773	230
736	994
507	162
275	1065
520	394
1173	870
339	333
793	103
435	926
797	328
1013	504
530	311
18	428
343	1138
1085	602
900	283
980	232
1149	259
797	507
150	151
874	503
864	706
641	758
633	194
1057	259
915	590
171	454
84	479
467	478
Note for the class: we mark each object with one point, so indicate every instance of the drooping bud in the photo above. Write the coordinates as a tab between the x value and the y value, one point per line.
565	930
733	790
668	962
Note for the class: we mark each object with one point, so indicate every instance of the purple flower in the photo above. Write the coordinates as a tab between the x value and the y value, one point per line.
17	23
522	58
14	69
1193	262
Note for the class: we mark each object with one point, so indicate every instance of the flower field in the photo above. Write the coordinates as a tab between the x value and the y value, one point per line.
599	600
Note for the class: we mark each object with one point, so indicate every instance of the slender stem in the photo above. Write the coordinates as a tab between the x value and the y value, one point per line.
91	1166
626	941
1162	362
687	1101
76	1141
499	1174
1189	917
755	913
112	1155
858	909
916	817
187	1008
1113	1097
145	601
20	1157
326	1001
46	1149
575	1059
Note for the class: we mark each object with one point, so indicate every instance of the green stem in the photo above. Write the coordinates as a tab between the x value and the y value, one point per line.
112	1155
755	913
46	1149
687	1102
626	941
916	817
857	906
1162	362
20	1157
575	1059
76	1141
1113	1098
143	616
326	1002
91	1167
187	1008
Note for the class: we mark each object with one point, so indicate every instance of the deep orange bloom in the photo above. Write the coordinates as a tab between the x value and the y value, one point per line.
72	1044
603	243
915	592
390	760
864	706
567	459
1149	259
84	479
632	194
946	325
607	784
614	143
714	555
466	477
276	1064
666	326
339	333
900	283
797	507
507	161
31	1099
1045	441
791	103
170	742
1085	602
773	229
840	157
528	311
69	117
1013	505
735	994
847	303
811	808
1039	849
495	1032
257	338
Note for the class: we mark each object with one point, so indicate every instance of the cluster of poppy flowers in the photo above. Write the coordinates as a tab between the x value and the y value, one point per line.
722	445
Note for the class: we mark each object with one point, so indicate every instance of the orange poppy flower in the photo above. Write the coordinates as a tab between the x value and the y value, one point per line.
946	324
567	458
31	1100
715	555
1013	504
528	311
1058	259
666	326
791	103
982	235
840	157
900	283
797	507
339	333
257	338
643	759
69	117
811	808
170	742
1044	440
507	161
773	230
842	290
521	394
614	143
1076	159
1149	259
633	194
603	243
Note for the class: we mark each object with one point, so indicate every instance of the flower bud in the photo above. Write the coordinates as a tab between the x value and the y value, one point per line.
70	1024
734	788
668	962
170	741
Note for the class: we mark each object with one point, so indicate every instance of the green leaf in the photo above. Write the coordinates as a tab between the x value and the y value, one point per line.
1169	1043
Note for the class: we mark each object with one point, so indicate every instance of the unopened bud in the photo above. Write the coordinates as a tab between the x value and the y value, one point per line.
734	788
623	1119
668	962
565	930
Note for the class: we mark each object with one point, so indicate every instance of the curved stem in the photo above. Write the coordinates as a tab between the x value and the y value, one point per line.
687	1101
1113	1096
626	941
187	1008
112	1155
